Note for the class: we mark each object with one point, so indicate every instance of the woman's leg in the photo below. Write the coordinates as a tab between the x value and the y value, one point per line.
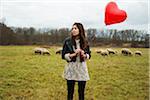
81	88
70	88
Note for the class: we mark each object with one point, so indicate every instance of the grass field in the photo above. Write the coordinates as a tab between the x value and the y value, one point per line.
26	76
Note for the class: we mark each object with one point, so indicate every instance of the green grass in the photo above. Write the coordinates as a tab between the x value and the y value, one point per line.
25	76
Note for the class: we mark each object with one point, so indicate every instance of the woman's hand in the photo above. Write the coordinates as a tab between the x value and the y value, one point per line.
72	55
77	51
83	54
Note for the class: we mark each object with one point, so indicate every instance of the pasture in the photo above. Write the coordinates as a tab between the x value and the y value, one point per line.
26	76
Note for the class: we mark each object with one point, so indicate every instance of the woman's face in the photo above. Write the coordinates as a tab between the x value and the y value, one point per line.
75	30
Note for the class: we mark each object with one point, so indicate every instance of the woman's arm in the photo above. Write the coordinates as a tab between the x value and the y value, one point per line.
67	54
86	53
64	50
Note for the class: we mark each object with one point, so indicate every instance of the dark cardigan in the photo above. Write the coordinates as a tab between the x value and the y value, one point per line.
68	48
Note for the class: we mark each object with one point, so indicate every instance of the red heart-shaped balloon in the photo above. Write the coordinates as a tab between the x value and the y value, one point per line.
113	14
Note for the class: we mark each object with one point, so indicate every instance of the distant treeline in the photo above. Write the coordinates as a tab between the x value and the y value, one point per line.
47	36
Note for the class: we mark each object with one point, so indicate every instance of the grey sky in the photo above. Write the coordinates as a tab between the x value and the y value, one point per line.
63	13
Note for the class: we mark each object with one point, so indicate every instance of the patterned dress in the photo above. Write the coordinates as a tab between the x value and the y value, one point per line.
76	70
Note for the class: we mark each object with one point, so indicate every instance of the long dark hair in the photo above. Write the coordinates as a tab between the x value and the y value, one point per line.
83	39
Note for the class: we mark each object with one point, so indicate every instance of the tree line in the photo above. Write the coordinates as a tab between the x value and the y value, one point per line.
47	36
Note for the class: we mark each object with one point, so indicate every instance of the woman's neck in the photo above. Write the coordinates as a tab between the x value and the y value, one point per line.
77	37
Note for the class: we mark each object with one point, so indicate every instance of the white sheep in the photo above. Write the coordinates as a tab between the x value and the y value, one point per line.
98	51
138	53
104	52
41	51
59	51
111	51
126	52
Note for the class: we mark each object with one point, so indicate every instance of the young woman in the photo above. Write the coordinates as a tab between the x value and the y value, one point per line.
76	51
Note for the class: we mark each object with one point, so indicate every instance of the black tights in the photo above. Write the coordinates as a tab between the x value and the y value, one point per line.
70	88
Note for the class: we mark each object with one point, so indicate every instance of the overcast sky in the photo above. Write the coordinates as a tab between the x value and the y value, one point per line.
63	13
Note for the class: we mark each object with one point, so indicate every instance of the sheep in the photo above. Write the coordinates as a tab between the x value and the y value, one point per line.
111	51
41	51
104	52
98	51
126	52
45	51
138	53
58	51
38	50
